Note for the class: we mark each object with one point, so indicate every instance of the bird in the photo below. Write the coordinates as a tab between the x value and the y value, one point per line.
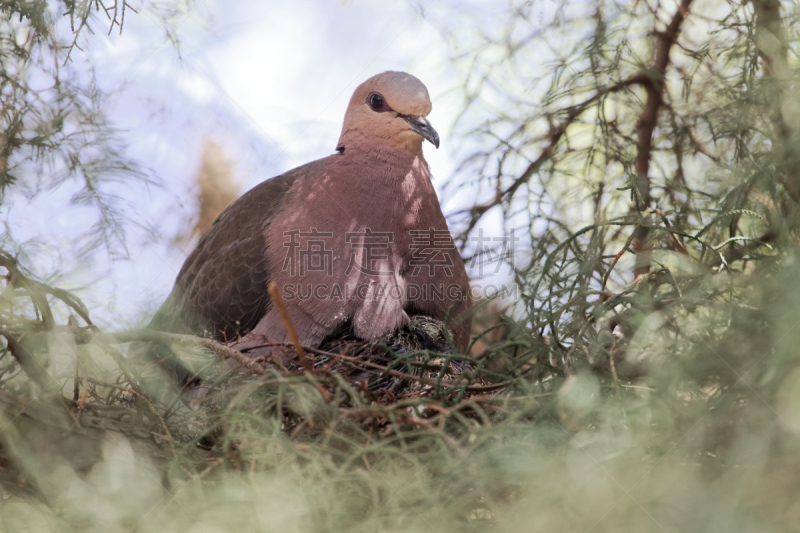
356	241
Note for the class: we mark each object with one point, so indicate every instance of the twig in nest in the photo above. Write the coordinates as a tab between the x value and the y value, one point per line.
277	300
176	338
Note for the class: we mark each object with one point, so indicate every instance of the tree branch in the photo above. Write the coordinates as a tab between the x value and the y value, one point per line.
652	79
174	338
648	120
554	136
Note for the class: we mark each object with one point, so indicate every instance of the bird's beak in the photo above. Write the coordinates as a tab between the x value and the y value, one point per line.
423	127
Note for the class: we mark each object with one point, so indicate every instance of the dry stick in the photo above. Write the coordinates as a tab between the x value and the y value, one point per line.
616	259
427	426
277	300
355	361
301	354
80	386
76	388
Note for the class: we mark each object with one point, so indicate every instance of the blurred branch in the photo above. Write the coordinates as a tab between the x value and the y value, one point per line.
647	123
173	338
38	291
780	92
30	365
15	277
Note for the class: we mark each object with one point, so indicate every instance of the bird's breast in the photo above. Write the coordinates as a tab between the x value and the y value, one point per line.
362	244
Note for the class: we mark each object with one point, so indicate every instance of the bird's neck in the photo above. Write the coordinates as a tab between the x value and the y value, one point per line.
387	175
389	159
392	146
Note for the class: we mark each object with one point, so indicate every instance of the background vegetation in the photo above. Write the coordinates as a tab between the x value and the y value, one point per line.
646	155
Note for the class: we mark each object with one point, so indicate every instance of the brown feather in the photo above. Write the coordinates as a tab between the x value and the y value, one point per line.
222	286
379	183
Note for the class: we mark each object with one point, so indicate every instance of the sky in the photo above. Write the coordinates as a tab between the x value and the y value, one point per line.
269	82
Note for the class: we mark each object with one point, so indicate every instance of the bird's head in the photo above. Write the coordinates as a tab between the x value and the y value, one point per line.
390	107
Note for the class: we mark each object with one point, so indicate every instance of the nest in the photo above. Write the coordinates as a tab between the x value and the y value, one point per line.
416	361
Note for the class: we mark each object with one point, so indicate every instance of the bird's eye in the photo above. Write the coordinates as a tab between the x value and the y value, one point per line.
375	101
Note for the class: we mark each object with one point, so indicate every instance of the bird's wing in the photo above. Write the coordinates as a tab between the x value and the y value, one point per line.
222	287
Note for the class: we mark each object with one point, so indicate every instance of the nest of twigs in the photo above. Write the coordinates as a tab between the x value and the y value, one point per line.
67	388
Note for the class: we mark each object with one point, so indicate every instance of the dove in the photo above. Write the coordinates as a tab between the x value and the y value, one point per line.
356	242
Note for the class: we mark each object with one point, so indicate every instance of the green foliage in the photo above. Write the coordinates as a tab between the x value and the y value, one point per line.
53	128
708	440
